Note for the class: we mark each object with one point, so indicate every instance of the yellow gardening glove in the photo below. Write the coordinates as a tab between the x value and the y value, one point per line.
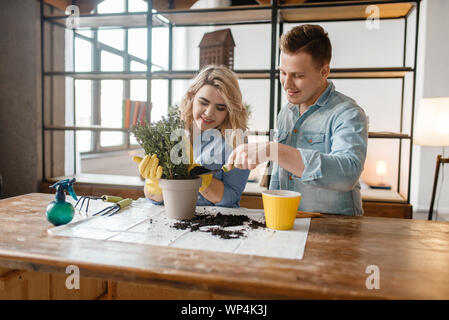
206	179
150	170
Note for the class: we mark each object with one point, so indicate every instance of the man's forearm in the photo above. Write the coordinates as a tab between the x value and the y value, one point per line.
287	157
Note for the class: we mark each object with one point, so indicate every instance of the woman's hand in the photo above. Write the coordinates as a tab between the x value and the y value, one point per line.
150	169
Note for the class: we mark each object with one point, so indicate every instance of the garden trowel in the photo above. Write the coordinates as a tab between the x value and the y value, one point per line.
200	170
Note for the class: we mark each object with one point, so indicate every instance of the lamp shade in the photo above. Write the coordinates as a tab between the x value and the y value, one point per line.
381	168
432	123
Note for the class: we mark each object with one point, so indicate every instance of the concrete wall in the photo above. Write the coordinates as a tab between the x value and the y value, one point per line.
20	102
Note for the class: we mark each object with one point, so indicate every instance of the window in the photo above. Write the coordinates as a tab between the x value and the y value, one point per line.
111	6
103	65
137	6
108	65
115	50
111	112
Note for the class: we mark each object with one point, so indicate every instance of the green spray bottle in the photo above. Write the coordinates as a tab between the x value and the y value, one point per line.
59	211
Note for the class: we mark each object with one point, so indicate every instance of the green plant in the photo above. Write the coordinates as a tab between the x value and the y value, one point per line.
156	138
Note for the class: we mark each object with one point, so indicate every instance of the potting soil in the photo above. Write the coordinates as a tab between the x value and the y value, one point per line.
218	223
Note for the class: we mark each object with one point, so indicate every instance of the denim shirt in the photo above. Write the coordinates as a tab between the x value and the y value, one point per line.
332	137
211	151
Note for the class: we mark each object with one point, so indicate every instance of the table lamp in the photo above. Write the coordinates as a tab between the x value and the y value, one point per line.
432	129
381	170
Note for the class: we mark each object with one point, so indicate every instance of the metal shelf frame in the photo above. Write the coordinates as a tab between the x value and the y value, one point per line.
273	16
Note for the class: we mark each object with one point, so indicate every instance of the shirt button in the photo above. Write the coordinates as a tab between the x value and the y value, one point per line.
295	130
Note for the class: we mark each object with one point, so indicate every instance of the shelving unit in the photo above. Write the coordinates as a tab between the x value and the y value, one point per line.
274	14
354	10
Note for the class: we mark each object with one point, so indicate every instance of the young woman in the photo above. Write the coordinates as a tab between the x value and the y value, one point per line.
211	106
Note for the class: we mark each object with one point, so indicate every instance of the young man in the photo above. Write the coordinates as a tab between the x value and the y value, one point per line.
320	146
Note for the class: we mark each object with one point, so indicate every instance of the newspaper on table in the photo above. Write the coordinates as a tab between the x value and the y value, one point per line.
145	223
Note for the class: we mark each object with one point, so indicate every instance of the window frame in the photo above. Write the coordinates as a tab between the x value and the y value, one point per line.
96	49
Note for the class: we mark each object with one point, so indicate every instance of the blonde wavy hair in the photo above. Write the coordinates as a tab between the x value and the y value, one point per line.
226	82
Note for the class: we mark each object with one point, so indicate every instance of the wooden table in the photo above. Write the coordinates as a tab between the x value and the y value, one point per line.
412	257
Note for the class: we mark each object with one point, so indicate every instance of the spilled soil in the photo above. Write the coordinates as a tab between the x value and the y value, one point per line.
218	223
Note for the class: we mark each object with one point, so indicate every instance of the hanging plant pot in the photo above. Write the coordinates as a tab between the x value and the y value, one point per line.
180	196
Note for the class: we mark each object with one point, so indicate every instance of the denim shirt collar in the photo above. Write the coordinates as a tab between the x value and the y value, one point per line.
322	100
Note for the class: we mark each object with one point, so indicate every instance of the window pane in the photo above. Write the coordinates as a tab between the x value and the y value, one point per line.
132	140
137	5
110	139
83	55
138	90
179	88
111	111
160	48
137	42
83	102
86	33
111	62
111	6
112	37
83	141
136	66
159	89
137	46
159	98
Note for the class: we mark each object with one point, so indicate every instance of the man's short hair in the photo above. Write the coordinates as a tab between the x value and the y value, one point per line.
308	38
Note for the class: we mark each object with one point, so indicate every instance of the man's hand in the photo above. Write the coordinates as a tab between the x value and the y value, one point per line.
250	155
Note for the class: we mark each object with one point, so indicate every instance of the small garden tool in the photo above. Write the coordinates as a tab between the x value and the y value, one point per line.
86	199
118	202
200	170
116	207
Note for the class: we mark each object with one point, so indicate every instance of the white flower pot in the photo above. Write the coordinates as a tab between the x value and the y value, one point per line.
180	197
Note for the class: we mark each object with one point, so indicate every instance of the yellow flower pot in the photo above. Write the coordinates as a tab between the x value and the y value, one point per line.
280	207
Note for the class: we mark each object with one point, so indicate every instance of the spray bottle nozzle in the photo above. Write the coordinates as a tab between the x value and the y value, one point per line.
61	186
